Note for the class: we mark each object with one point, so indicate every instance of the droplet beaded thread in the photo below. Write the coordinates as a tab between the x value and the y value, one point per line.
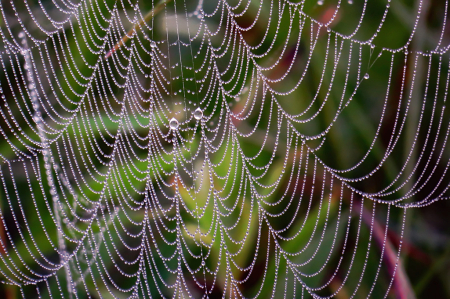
181	148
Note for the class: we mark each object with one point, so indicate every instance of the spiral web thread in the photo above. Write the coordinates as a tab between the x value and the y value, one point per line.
186	159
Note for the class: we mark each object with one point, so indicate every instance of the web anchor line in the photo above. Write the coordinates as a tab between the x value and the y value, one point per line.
49	162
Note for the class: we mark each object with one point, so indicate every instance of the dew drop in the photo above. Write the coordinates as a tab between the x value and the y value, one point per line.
173	123
366	76
153	44
198	114
320	2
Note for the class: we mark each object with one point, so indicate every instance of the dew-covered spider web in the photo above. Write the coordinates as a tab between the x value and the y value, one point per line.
217	148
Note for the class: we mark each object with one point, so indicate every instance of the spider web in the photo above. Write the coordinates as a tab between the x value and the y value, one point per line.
192	156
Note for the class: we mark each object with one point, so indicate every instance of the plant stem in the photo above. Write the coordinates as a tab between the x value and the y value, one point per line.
138	26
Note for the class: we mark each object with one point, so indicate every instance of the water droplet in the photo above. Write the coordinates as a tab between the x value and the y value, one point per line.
198	114
153	44
350	2
21	34
320	2
366	76
173	123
